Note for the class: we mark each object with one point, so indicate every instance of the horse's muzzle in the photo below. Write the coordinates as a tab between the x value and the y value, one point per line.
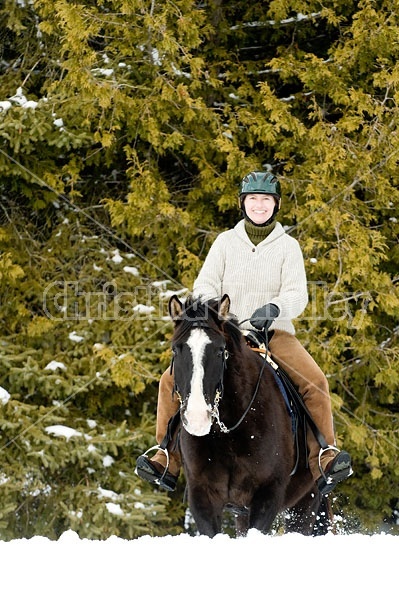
197	422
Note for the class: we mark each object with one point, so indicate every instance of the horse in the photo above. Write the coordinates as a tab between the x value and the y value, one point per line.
236	439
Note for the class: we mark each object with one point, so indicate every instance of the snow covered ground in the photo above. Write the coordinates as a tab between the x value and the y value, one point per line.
357	567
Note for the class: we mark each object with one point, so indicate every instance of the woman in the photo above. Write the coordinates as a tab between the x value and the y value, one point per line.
262	270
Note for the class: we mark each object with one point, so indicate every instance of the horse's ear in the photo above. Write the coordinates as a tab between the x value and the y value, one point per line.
224	307
175	308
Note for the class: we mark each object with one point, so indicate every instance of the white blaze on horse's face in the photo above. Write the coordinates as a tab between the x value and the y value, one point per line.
197	416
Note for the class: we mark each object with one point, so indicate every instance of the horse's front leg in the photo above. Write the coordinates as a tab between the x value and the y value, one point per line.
241	525
265	506
206	511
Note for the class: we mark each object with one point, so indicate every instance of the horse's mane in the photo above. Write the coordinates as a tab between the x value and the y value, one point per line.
196	311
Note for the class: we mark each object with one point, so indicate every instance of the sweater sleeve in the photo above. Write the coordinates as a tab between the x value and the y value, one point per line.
293	294
208	284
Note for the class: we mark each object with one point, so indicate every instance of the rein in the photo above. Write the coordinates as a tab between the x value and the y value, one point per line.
218	397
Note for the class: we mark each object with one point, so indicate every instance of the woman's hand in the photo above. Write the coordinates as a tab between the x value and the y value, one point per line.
264	316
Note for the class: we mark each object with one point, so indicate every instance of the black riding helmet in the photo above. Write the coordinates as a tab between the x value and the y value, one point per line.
259	182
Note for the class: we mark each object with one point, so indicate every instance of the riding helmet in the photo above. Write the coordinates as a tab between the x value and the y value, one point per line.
259	182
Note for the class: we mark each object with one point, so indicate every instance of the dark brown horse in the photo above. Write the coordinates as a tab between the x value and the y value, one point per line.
236	439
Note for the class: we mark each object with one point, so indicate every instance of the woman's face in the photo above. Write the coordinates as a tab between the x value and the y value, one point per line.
259	207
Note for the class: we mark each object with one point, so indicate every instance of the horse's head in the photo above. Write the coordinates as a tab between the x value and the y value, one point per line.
199	349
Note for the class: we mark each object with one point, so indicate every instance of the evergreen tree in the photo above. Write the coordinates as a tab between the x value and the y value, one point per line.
125	127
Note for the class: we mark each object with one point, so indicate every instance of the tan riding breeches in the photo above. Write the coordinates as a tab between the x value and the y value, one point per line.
312	384
168	404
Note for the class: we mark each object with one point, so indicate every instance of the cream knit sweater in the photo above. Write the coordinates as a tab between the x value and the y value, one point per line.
273	271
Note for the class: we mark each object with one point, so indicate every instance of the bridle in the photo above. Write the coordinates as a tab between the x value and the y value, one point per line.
220	386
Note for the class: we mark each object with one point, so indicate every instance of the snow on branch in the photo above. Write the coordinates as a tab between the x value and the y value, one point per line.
299	17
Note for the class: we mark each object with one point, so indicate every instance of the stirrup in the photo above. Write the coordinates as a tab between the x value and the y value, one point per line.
147	471
321	452
164	450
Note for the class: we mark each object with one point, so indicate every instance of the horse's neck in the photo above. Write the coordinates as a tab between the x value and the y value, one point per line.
241	374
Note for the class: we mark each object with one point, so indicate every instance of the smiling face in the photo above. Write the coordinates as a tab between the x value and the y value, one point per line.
259	207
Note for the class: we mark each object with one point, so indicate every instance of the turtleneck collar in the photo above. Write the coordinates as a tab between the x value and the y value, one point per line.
257	233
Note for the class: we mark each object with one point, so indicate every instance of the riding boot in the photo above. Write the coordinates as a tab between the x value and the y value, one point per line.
156	469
